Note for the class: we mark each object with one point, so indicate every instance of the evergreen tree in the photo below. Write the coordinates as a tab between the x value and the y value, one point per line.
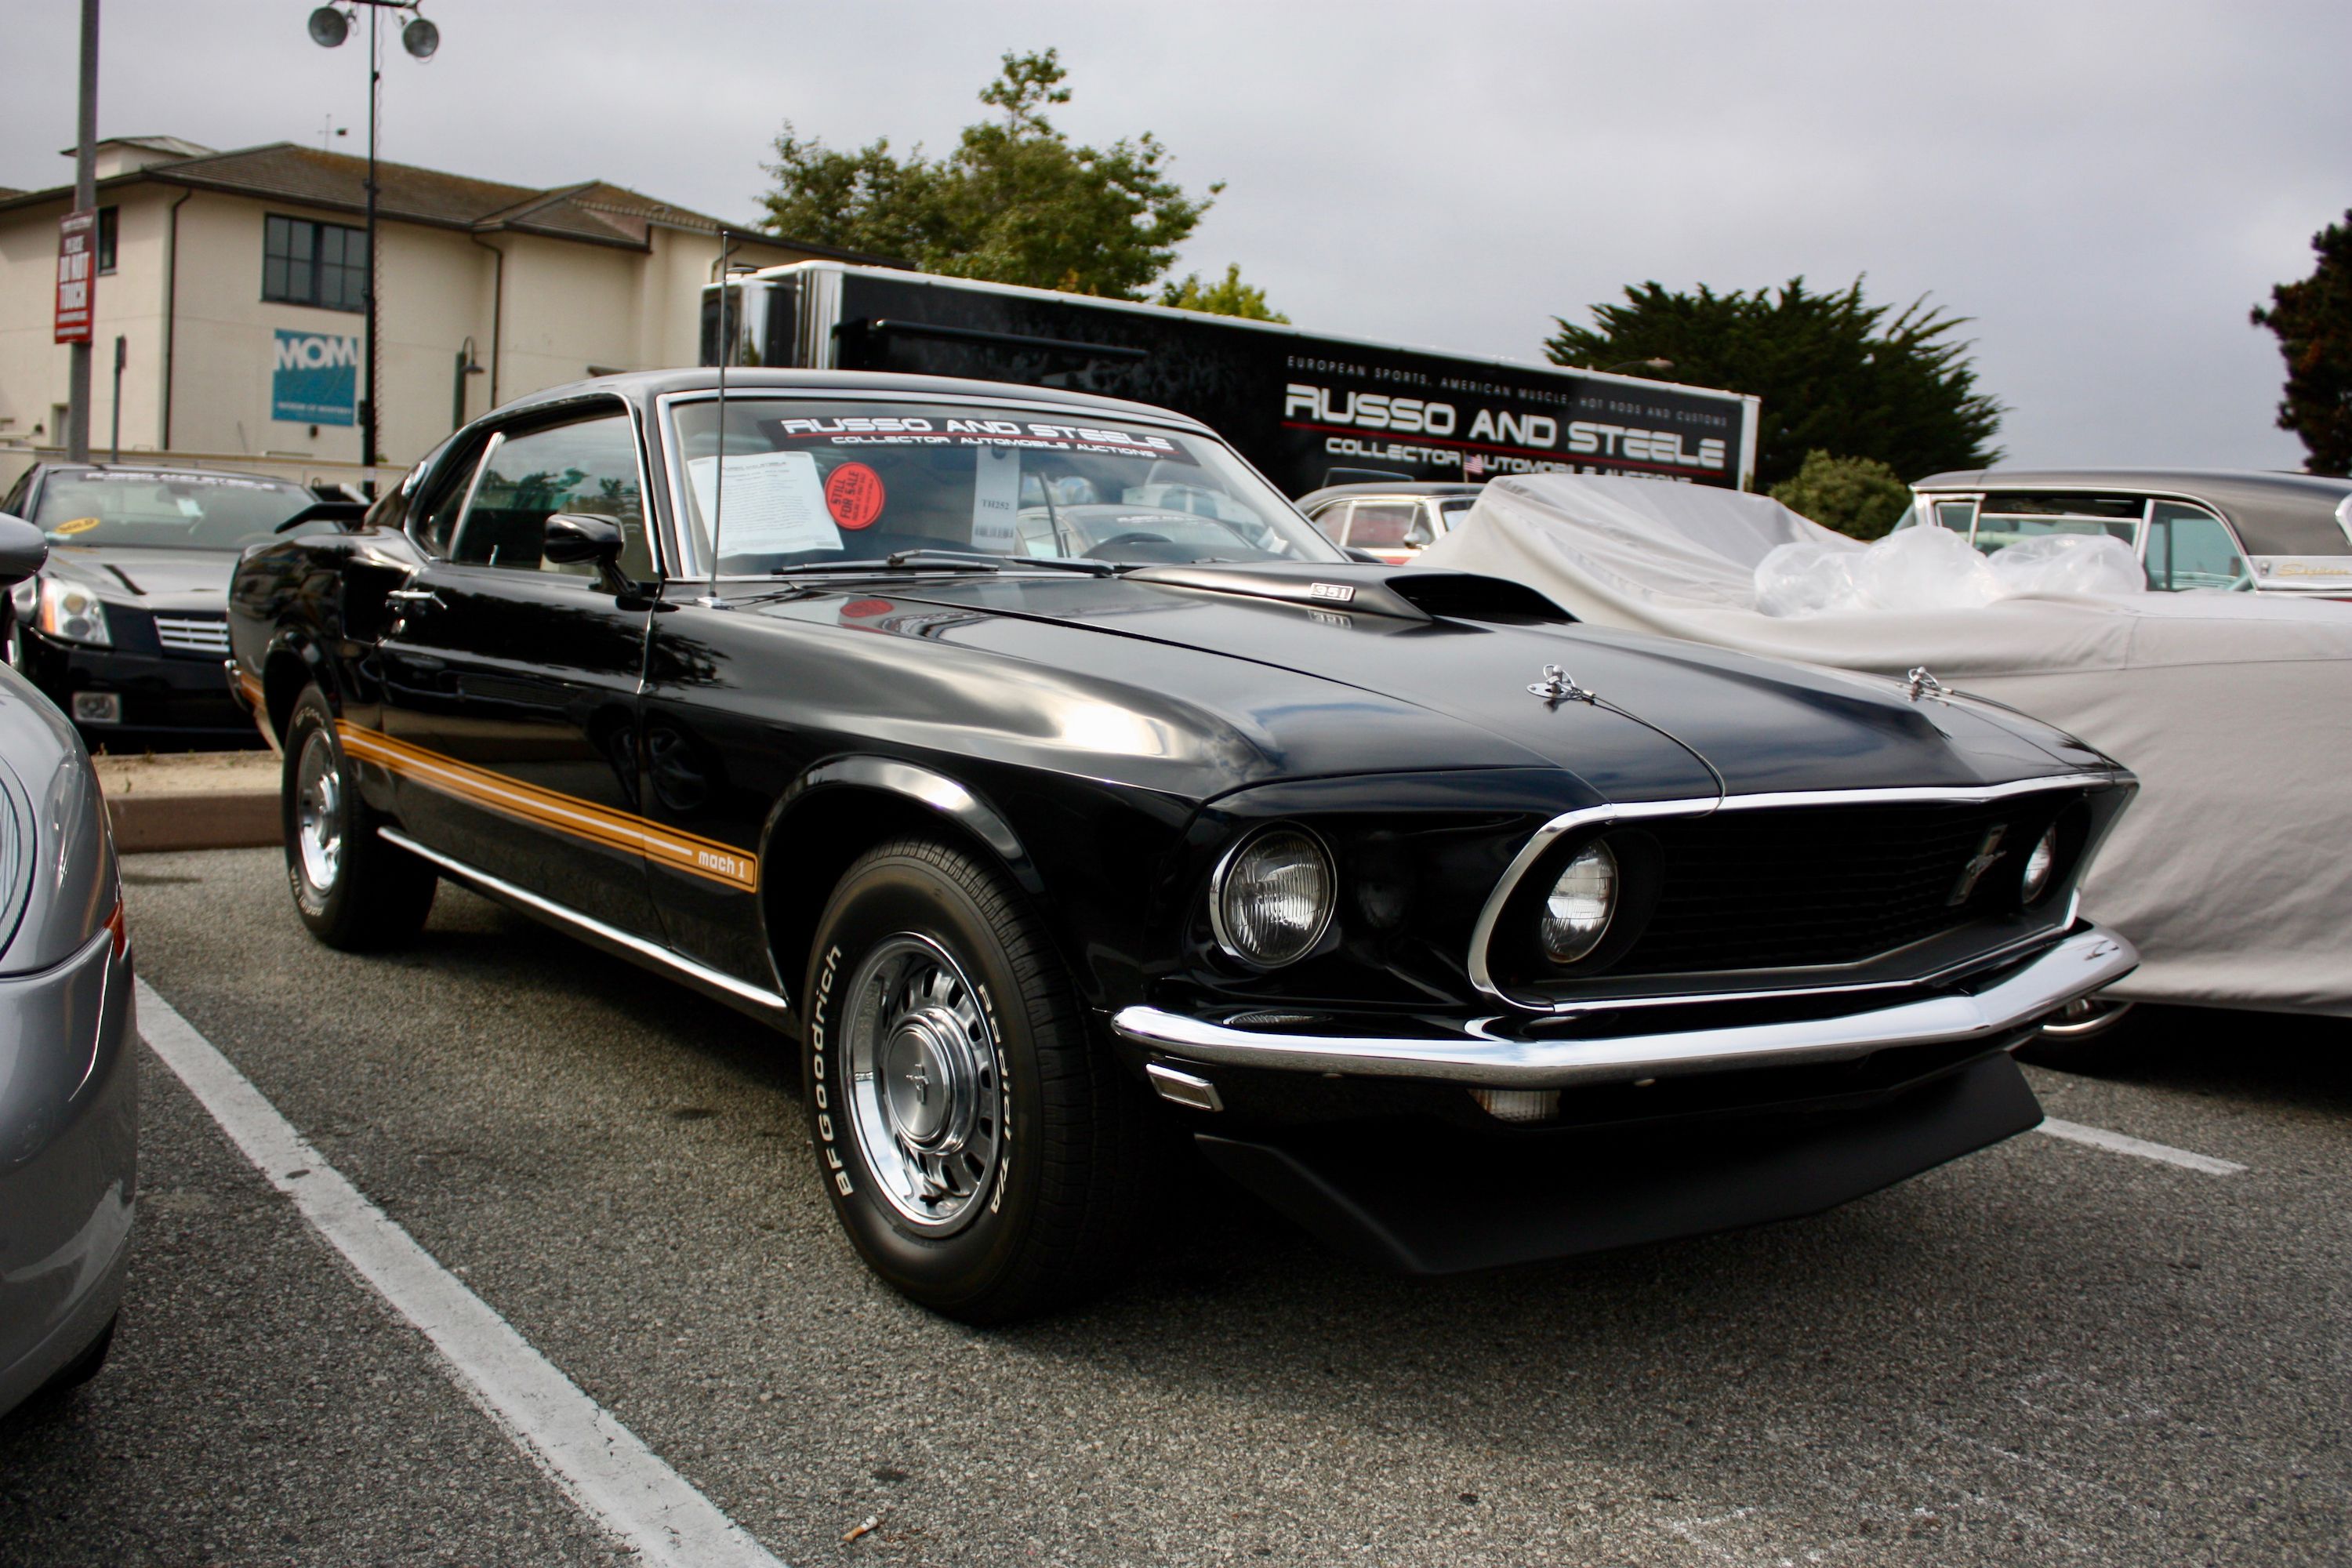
1835	373
2313	319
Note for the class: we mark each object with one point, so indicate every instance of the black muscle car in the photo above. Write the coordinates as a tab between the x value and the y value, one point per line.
1039	768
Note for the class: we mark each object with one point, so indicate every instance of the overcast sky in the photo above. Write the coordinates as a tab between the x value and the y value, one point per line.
2104	189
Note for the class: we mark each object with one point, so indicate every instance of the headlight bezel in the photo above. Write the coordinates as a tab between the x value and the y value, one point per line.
1221	884
54	615
1518	951
1600	857
2034	889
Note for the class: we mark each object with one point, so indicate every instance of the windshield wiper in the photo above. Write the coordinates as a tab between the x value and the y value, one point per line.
951	561
903	561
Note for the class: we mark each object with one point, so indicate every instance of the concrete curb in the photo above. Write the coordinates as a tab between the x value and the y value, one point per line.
214	800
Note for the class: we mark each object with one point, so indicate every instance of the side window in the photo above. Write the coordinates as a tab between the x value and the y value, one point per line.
1959	516
1331	522
1424	526
436	523
2191	549
13	503
589	465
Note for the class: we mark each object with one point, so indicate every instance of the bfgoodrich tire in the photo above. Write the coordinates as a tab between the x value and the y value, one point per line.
983	1158
352	890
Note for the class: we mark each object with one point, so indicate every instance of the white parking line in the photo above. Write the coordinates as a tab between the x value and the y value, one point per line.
2125	1143
599	1463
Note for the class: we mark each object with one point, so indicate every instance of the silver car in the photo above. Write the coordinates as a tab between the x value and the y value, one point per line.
2235	529
68	1089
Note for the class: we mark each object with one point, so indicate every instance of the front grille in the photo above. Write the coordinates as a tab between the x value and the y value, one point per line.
1823	885
205	635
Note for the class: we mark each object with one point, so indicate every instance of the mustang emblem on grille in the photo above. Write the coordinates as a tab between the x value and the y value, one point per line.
1979	864
1558	686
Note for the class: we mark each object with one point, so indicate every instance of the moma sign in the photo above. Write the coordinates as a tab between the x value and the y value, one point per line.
314	379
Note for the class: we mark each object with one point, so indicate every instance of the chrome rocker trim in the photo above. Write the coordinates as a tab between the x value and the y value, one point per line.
725	988
2074	966
1483	934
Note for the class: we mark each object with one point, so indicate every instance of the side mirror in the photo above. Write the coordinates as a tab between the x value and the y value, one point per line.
23	549
575	538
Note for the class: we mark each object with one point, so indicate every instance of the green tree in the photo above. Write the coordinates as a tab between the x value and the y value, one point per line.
1834	372
1016	202
1859	497
1229	296
2313	319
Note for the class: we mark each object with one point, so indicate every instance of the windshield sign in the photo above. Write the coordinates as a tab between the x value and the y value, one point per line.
804	483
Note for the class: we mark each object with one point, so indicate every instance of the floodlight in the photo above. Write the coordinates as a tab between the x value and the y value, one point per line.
328	27
420	38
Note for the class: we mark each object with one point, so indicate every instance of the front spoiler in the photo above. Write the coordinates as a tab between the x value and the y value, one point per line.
2074	966
1446	1200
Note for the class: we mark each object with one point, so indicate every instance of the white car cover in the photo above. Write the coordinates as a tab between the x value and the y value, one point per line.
2232	871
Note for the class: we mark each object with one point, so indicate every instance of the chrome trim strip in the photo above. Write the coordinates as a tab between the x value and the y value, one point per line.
2074	967
1482	934
700	973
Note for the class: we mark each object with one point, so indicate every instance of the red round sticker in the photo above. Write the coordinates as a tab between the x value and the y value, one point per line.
853	495
865	609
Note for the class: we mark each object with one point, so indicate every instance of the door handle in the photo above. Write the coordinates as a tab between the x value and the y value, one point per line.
414	597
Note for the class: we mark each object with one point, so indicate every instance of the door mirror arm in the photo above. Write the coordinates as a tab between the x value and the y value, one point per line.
571	538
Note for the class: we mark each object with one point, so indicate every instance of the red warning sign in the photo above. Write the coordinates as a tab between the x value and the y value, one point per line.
853	495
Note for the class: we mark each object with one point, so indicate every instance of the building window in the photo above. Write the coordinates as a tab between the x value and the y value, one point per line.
107	230
321	264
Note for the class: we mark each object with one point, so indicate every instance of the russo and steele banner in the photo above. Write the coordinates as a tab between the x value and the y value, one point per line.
314	379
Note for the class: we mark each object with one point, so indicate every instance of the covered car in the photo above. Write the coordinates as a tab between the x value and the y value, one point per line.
2231	873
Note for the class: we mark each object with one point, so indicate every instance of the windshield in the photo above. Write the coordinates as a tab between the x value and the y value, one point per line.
166	512
808	483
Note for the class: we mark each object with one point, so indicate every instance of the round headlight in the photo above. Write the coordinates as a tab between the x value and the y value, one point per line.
1576	913
1274	897
2035	880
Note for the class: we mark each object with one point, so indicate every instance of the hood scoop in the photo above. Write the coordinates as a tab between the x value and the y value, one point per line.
1353	589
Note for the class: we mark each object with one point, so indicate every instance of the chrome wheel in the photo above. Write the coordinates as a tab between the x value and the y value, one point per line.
319	813
926	1098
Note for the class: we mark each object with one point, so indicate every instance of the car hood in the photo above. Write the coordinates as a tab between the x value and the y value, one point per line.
152	579
1672	716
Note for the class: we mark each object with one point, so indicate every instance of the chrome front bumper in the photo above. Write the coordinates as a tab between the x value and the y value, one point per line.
2075	966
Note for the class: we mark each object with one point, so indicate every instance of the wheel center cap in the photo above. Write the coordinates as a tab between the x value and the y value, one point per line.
924	1084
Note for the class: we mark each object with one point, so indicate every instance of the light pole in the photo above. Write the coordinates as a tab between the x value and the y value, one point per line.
76	430
466	366
329	27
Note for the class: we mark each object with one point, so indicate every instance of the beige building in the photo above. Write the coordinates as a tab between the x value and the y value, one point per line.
235	281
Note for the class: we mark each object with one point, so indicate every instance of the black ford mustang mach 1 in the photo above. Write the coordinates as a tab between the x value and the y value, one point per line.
1031	761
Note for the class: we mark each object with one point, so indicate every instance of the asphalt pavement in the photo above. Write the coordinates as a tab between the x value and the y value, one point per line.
2048	1353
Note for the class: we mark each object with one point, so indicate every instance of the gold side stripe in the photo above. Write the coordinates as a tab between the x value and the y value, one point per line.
252	690
547	808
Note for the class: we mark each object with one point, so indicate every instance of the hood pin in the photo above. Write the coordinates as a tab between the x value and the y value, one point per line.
1919	683
1558	686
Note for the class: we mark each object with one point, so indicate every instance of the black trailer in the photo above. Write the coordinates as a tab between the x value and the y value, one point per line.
1309	410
